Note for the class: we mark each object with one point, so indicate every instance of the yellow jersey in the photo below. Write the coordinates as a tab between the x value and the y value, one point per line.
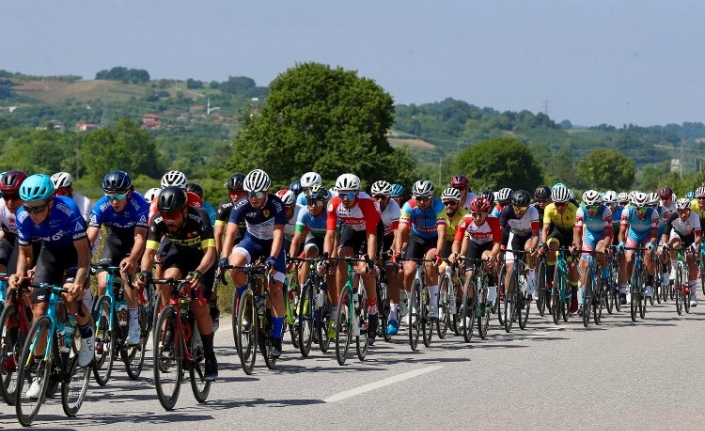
452	223
565	221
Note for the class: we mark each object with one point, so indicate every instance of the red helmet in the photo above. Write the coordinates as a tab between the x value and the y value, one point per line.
460	181
287	196
11	181
480	205
665	193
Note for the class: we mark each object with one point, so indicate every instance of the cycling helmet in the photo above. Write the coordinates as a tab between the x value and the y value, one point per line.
480	205
487	194
195	188
423	188
62	179
683	204
654	199
310	178
504	196
690	195
640	199
521	198
287	196
116	182
451	193
11	181
174	178
397	191
256	180
542	192
623	197
37	187
347	182
295	187
151	194
560	193
571	195
665	193
700	192
610	197
235	182
317	192
381	187
460	181
171	199
592	197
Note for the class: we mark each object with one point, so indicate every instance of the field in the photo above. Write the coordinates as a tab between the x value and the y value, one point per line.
55	91
413	143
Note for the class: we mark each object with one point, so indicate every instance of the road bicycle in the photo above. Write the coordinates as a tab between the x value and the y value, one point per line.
314	309
15	322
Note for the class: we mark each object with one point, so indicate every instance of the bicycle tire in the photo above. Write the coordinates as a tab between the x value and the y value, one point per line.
483	321
607	290
26	408
523	309
247	332
293	328
11	342
634	293
167	366
510	300
468	310
616	286
343	327
133	356
587	297
362	341
444	317
384	308
541	291
701	271
678	287
234	318
75	388
104	361
499	303
414	315
426	321
305	322
556	297
199	385
565	304
686	289
643	299
598	302
323	340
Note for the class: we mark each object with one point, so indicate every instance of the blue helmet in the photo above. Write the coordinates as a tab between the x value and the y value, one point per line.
397	190
37	187
690	195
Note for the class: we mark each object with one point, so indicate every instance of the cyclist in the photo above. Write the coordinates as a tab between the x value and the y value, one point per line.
503	198
9	204
398	194
310	228
520	231
208	208
462	184
264	216
308	180
697	206
63	184
359	217
124	212
151	194
422	225
171	178
64	259
683	230
610	200
542	197
190	256
639	227
557	231
291	212
592	231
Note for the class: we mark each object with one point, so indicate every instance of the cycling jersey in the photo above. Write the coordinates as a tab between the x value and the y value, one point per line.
8	222
523	226
489	231
306	223
196	234
617	218
64	225
539	209
83	203
565	221
452	223
123	223
212	213
469	197
364	216
594	227
639	229
424	223
259	222
497	210
290	226
390	217
683	227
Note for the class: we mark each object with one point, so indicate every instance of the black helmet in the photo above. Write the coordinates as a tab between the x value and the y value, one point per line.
171	199
116	182
487	194
235	182
542	192
195	188
295	187
521	198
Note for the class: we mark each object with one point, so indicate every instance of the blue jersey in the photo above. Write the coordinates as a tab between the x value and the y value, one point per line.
306	222
122	224
594	227
639	229
259	222
63	225
212	213
424	223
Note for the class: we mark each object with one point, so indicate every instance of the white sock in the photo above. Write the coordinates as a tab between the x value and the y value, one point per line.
393	311
333	313
492	294
433	291
133	317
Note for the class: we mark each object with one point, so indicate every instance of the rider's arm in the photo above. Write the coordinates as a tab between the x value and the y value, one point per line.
92	233
277	240
296	243
24	259
441	243
372	245
230	234
402	234
138	246
83	251
218	233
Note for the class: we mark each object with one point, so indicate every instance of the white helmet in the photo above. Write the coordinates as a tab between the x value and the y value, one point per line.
423	188
151	194
62	179
381	187
611	197
592	197
174	178
683	204
347	182
504	195
640	199
654	199
700	192
451	193
287	196
623	197
310	178
560	194
256	181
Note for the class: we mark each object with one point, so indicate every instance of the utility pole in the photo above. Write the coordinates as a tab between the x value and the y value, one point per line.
682	157
545	107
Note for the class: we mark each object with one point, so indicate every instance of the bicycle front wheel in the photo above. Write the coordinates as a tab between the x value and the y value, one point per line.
105	341
414	315
467	315
343	327
426	321
634	289
168	360
678	286
247	332
541	291
13	334
74	386
322	317
133	356
305	322
28	407
199	385
443	307
362	341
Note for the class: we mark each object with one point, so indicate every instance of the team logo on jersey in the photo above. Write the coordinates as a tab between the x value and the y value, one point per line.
79	226
265	212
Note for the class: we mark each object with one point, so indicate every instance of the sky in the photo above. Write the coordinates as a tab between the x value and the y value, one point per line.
590	62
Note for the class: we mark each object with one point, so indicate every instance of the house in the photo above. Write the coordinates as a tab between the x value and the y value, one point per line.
151	121
85	126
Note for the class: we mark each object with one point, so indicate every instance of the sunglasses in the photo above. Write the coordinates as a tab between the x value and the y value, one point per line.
592	207
120	197
347	195
642	209
520	208
561	204
171	216
380	197
542	201
257	195
683	211
10	196
450	204
36	209
477	214
315	202
422	198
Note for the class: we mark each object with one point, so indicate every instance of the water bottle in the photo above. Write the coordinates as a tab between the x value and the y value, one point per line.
122	313
260	306
383	289
183	309
403	303
522	284
61	334
320	298
356	316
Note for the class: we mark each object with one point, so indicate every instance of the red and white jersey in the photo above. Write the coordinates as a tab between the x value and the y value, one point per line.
469	197
489	231
364	216
390	217
7	219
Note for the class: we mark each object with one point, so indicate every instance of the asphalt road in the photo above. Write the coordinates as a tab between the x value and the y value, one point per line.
622	375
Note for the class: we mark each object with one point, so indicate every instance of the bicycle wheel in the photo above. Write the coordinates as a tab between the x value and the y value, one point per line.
541	297
322	321
247	332
168	360
467	316
598	301
642	295
522	310
343	327
13	334
27	408
305	322
414	315
74	385
426	321
362	341
701	271
105	341
686	289
483	321
678	287
443	307
500	302
294	306
264	339
614	270
556	303
634	291
133	356
199	385
384	308
509	301
234	319
587	297
607	289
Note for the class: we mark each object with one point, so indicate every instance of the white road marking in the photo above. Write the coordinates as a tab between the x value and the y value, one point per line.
381	383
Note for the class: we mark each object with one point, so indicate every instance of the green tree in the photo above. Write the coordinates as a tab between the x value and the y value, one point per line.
321	119
606	169
499	162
